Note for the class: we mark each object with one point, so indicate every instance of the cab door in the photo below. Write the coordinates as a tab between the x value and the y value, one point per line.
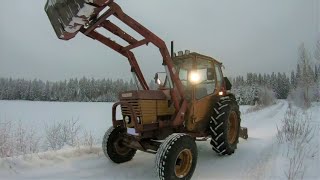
203	94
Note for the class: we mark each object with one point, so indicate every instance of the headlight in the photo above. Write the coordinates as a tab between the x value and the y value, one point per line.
194	77
139	120
127	119
158	81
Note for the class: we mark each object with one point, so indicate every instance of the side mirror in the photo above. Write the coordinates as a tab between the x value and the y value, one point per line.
210	74
160	78
156	79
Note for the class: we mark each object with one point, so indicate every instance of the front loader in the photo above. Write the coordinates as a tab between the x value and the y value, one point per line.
193	100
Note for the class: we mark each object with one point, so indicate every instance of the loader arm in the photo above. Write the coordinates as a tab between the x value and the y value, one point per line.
68	17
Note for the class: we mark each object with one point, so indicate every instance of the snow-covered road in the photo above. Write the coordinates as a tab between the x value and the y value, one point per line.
253	159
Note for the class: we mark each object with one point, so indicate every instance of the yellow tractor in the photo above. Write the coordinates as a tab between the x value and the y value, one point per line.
193	101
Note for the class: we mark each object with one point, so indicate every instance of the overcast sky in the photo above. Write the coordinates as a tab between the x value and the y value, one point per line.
246	35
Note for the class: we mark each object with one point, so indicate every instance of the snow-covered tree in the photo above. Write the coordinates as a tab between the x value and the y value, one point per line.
293	80
317	51
304	91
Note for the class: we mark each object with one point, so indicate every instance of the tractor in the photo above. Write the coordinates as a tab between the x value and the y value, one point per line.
192	103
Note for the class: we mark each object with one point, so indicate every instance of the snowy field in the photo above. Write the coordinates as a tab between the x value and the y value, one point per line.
259	157
94	117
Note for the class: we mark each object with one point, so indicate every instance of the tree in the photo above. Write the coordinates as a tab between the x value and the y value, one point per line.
293	80
298	74
316	74
45	94
317	51
305	80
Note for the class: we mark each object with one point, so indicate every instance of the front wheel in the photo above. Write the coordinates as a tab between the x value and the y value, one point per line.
176	157
113	146
224	126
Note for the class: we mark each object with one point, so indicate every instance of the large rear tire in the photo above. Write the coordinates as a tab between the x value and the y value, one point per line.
224	126
114	149
176	157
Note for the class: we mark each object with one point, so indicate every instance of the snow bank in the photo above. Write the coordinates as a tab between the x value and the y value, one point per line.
49	157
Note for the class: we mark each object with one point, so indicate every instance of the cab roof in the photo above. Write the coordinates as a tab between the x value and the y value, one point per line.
195	55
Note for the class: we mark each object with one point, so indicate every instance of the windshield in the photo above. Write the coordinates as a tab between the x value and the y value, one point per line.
204	86
183	67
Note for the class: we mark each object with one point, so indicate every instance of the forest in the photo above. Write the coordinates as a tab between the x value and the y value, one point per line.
250	89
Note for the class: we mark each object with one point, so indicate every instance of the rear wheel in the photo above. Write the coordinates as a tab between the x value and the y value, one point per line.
176	157
224	126
113	146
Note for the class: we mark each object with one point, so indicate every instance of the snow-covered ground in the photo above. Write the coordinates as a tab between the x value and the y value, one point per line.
256	158
94	117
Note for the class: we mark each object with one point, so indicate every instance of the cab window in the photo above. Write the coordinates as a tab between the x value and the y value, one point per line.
219	74
205	87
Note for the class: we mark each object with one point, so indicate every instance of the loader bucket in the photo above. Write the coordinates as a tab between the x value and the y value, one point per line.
68	16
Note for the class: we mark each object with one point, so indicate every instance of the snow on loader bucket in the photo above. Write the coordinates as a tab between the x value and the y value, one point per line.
69	16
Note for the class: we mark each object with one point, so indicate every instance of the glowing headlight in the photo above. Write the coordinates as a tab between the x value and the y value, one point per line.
139	120
194	77
127	119
158	81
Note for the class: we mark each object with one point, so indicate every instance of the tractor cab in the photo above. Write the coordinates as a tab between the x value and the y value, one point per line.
203	83
200	75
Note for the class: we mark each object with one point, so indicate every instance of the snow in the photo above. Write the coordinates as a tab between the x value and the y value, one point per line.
51	3
82	18
86	11
94	117
259	157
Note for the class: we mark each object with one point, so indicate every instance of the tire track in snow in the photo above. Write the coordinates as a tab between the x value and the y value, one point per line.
267	142
263	164
265	113
263	123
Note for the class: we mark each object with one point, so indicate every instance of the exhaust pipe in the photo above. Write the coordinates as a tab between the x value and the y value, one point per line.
172	49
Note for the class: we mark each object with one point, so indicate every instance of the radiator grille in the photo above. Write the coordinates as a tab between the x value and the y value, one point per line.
136	108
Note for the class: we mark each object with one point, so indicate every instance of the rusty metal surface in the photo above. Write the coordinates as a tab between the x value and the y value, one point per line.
180	114
148	111
139	128
199	118
142	144
115	122
142	94
108	25
97	22
100	2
